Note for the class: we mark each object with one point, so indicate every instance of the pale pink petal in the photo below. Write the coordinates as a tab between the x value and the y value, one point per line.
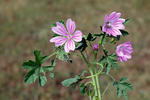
104	29
69	45
106	18
121	20
119	26
58	40
112	15
62	27
116	32
109	31
70	26
77	36
59	29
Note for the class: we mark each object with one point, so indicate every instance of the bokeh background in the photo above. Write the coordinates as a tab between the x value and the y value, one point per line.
25	26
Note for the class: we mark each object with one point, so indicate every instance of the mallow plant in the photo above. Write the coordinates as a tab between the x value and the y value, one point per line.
69	41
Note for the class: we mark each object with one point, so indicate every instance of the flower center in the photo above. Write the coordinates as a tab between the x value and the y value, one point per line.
69	36
108	24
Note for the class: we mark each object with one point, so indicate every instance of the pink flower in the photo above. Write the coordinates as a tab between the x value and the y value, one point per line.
113	24
124	51
67	36
95	47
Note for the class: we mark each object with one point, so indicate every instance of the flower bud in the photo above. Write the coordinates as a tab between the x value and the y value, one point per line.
95	47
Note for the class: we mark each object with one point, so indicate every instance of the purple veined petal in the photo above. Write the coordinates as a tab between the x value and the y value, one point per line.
112	15
104	29
123	51
77	36
58	40
119	26
69	45
115	32
120	20
109	31
128	56
120	59
62	27
70	26
124	58
59	29
106	18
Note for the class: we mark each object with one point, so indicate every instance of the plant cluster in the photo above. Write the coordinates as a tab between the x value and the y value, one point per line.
69	41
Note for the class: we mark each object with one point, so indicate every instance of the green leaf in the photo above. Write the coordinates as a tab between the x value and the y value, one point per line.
101	28
52	75
126	21
122	87
83	88
123	79
62	22
103	60
50	68
54	35
90	37
44	58
103	38
83	73
29	65
39	59
38	55
42	80
69	82
53	25
62	55
82	45
124	33
109	61
53	62
37	70
31	76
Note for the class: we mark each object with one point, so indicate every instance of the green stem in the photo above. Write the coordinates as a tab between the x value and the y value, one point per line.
106	89
97	76
52	54
91	72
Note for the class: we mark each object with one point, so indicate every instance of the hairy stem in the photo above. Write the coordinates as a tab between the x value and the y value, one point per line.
97	76
52	54
91	72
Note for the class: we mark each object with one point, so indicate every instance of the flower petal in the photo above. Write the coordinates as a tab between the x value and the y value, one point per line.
77	36
70	45
59	29
119	26
104	28
106	18
114	16
121	20
58	40
70	26
115	32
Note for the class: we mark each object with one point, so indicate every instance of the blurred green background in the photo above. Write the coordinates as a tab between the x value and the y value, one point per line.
25	26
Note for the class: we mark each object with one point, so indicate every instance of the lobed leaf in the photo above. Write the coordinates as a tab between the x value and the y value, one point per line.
36	70
31	76
29	64
42	80
69	82
126	21
82	45
122	87
62	55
